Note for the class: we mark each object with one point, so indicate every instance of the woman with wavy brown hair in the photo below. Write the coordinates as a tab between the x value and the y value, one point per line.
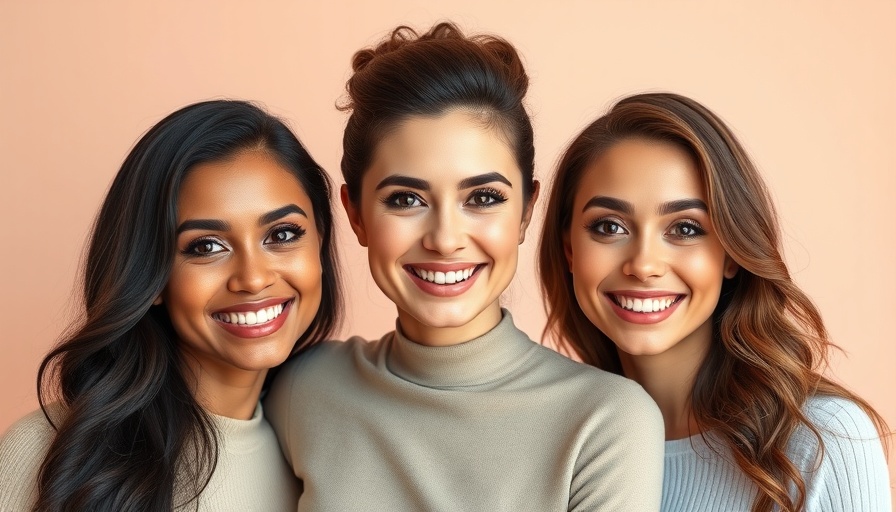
456	409
660	260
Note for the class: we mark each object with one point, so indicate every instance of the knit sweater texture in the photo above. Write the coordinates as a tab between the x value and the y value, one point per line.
851	476
499	423
251	474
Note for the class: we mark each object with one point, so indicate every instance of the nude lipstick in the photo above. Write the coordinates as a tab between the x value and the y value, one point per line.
254	319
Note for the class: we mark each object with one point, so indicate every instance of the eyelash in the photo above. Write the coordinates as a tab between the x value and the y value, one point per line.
494	196
594	226
191	249
691	224
391	201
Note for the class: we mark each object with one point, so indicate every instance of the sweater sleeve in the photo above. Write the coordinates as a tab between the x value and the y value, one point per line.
852	474
22	450
620	467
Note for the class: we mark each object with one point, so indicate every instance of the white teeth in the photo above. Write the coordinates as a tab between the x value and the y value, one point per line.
449	277
644	305
250	317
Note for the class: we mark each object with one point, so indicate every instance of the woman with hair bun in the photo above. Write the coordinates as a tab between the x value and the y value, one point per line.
661	260
456	409
210	262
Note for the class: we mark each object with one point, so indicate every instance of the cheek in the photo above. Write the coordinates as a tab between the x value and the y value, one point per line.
702	269
590	262
190	288
389	237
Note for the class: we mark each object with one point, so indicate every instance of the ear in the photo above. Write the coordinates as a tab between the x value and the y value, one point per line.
157	301
731	267
567	251
527	215
354	216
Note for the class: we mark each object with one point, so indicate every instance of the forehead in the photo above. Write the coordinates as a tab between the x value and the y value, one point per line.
642	171
247	184
445	148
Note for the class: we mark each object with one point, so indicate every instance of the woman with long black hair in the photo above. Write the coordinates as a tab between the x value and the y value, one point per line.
211	261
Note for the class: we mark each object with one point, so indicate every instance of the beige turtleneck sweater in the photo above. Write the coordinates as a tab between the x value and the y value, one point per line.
499	423
251	474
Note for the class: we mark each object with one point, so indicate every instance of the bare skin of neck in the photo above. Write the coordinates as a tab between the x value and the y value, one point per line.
225	391
668	377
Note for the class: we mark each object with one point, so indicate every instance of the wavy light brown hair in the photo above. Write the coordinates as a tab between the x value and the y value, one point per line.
770	345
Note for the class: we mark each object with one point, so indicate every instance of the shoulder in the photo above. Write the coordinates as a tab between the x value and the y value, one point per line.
603	401
848	471
22	450
596	385
31	431
840	417
328	356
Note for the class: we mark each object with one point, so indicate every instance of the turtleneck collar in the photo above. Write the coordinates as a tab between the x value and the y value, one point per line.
240	436
478	361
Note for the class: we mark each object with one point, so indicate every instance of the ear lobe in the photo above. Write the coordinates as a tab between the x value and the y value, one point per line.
354	216
527	214
731	268
157	301
567	251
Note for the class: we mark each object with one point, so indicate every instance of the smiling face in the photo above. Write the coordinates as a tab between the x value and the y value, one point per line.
647	266
442	215
246	280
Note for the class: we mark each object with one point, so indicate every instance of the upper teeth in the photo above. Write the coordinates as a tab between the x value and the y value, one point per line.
449	277
250	317
640	305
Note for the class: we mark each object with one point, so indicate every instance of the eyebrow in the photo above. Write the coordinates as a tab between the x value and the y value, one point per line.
681	205
220	225
401	180
482	179
611	203
281	212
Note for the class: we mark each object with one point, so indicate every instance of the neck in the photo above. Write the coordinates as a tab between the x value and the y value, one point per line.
226	392
424	333
669	378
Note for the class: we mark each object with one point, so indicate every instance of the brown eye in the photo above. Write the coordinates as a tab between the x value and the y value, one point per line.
403	200
485	198
204	247
606	228
685	230
285	235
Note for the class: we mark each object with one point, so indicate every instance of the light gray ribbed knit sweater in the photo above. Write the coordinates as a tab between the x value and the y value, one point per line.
499	423
852	476
251	474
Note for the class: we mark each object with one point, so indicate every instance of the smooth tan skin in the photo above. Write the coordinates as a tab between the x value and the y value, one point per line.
444	224
236	266
648	250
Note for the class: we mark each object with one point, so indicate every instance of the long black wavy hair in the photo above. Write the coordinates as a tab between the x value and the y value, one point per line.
132	436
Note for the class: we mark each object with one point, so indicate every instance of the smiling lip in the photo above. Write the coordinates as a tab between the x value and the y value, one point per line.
257	330
668	303
439	277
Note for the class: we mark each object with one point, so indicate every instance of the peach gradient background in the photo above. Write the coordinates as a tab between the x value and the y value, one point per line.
807	85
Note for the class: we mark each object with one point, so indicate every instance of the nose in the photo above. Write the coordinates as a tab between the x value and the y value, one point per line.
251	273
446	232
646	260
